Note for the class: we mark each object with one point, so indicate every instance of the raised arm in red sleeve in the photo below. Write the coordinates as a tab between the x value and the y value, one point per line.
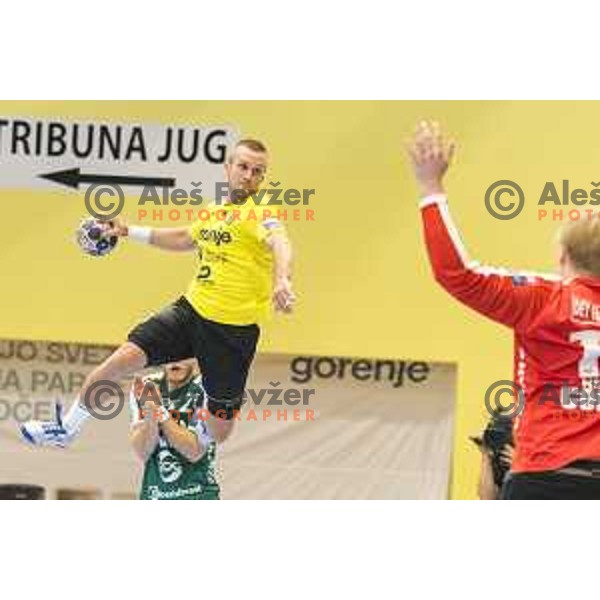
509	298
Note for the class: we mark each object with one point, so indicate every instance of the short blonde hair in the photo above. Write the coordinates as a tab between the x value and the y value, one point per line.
251	144
581	242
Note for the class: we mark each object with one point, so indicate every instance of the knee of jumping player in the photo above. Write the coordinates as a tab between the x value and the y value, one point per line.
223	415
125	361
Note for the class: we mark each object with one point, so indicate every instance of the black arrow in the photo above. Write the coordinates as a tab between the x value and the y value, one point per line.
73	177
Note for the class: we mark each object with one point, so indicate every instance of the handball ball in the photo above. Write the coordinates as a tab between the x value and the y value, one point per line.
92	239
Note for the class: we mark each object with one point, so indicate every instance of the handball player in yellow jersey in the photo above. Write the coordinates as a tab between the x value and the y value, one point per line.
244	260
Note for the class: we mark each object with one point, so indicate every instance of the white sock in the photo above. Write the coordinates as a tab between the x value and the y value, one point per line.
75	416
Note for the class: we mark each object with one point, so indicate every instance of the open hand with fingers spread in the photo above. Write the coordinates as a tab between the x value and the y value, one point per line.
431	153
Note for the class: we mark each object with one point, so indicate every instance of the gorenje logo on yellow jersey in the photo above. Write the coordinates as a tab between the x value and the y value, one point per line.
218	237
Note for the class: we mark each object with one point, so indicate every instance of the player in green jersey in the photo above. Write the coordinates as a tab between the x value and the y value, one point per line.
168	433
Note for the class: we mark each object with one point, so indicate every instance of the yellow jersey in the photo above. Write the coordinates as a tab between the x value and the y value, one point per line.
234	280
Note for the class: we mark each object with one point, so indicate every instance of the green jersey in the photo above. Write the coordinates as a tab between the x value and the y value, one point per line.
168	475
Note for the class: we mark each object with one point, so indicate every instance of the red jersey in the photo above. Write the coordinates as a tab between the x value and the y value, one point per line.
556	323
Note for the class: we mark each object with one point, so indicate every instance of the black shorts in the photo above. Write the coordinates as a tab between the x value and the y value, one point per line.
224	352
551	485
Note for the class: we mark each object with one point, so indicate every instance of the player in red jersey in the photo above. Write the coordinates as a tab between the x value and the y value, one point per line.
556	322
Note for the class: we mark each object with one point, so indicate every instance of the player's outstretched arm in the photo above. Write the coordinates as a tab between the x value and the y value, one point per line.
508	298
177	239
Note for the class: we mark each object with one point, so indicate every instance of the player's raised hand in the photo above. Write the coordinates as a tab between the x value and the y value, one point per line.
138	387
283	296
431	153
146	392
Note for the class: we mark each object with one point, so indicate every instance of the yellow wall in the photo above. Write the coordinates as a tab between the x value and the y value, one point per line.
363	281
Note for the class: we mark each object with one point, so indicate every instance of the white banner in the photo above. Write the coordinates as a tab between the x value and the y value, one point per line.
56	153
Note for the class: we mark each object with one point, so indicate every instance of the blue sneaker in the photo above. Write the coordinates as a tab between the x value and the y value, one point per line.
47	433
